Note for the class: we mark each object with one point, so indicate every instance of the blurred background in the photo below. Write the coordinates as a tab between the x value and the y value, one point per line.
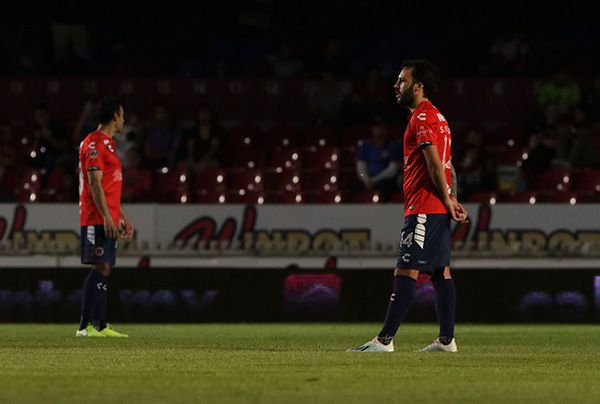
246	122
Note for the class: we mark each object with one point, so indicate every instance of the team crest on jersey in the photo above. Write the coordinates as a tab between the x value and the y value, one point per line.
109	146
93	153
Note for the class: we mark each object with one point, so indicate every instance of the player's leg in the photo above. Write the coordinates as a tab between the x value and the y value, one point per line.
89	298
102	295
445	297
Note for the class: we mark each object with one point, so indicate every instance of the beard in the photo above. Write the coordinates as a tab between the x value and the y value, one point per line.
407	97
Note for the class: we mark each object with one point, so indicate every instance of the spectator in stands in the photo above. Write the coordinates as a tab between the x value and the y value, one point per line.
562	90
591	103
204	141
542	151
545	121
377	162
573	144
333	60
52	148
86	123
162	140
284	64
369	98
137	180
325	101
476	169
7	153
130	137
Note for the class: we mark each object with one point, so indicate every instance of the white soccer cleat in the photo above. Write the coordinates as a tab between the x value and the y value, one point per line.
373	346
437	346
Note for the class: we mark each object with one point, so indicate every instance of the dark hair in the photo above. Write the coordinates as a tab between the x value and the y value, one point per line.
425	73
107	108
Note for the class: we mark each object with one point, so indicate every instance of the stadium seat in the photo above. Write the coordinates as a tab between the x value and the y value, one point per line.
483	197
325	158
285	159
284	197
29	186
588	182
172	186
557	197
245	184
555	180
367	197
250	157
282	136
397	197
210	186
245	196
285	180
511	156
320	136
521	197
347	158
324	197
320	181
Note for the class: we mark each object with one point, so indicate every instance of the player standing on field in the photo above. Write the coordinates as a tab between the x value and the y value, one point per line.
100	212
429	206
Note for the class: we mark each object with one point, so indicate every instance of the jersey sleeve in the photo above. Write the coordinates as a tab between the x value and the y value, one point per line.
426	130
94	157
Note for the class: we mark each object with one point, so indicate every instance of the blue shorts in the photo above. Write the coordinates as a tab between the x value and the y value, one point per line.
95	247
425	242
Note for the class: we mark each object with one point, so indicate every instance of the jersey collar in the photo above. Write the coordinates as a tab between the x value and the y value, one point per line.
420	107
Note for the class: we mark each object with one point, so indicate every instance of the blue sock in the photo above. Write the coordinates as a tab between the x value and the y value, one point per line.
101	298
400	302
89	295
445	304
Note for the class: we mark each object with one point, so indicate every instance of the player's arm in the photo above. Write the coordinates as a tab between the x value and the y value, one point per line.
363	173
438	177
95	181
390	171
129	229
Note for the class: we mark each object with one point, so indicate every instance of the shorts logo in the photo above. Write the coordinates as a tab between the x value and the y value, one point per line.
91	234
420	230
99	251
406	257
392	297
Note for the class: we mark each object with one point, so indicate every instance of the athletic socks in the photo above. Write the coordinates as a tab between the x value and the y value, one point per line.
445	299
100	310
400	302
89	297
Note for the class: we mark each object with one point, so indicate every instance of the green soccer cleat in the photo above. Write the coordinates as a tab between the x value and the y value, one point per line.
109	332
89	331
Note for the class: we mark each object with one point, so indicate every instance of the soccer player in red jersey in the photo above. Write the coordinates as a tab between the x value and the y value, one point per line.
430	205
101	216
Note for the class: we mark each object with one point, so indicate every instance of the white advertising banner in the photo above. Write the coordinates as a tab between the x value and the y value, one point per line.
304	230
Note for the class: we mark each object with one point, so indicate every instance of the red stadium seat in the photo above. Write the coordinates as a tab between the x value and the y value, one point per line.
320	136
245	184
483	197
347	158
284	197
367	197
251	157
283	180
320	181
588	182
397	197
282	136
324	197
244	196
210	186
555	180
29	186
521	197
172	186
326	158
285	159
558	197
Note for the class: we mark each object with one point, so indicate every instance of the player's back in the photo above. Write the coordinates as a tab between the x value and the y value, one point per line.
97	152
426	126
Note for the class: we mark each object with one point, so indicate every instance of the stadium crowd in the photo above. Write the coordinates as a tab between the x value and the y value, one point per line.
350	125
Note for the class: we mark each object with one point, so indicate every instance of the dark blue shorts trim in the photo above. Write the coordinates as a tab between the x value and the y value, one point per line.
425	242
95	247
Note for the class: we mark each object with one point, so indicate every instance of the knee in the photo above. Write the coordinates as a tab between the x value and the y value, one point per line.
411	273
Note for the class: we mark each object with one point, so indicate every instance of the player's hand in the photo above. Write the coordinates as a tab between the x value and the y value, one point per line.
110	228
456	210
129	229
368	183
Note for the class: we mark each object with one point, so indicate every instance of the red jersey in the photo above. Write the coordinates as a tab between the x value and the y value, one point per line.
98	152
426	126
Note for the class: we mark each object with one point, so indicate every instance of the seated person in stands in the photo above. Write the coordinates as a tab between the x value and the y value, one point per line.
137	180
204	142
377	163
163	139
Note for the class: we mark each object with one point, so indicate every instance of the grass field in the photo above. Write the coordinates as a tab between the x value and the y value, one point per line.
293	363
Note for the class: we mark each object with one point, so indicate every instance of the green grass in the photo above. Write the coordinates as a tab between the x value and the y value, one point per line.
298	363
